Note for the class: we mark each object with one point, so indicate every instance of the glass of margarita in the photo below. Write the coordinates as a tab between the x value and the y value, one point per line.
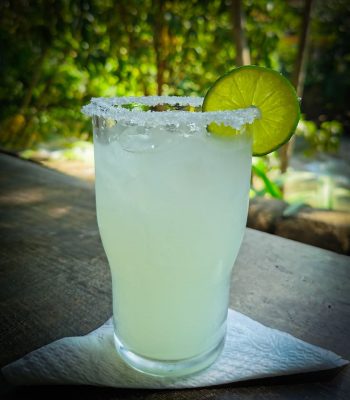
172	203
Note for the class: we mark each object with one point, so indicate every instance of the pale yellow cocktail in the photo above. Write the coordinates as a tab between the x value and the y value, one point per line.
172	206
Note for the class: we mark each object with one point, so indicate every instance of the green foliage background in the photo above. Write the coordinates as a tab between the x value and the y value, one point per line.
57	54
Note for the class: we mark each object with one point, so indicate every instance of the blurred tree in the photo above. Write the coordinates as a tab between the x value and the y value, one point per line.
327	84
298	76
39	43
238	19
299	70
160	37
57	54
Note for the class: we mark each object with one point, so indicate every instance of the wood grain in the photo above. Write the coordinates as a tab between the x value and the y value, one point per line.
55	282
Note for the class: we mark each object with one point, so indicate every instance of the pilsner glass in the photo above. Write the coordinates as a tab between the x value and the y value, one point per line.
172	202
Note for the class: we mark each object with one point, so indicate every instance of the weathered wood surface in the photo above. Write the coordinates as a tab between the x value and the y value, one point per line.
327	229
54	282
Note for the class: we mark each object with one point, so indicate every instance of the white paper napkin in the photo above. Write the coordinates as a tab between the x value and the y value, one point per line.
251	351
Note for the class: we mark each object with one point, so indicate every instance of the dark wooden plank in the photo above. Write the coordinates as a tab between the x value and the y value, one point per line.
294	287
54	282
54	275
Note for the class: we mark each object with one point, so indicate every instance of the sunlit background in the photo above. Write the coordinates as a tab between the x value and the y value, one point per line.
57	54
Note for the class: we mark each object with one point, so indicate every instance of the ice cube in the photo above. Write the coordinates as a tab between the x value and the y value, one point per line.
141	140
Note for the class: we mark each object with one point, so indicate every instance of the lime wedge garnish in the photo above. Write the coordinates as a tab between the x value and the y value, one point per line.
265	89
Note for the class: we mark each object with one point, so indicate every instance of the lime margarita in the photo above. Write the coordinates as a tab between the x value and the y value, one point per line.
172	186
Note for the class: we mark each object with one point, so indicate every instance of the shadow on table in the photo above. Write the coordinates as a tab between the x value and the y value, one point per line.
297	386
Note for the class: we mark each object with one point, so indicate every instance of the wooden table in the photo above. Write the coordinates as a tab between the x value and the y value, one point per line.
55	282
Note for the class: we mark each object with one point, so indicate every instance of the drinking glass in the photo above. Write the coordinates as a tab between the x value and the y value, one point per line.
172	202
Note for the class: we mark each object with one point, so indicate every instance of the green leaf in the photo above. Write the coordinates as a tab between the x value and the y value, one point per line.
293	209
270	187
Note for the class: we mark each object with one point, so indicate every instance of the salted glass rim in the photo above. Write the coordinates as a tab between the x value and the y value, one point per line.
137	110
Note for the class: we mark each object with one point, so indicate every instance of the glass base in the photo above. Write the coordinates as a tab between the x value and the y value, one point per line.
169	368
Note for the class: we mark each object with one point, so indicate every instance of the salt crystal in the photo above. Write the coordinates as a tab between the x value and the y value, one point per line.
115	108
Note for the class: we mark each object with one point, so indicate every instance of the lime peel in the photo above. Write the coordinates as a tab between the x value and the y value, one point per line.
267	90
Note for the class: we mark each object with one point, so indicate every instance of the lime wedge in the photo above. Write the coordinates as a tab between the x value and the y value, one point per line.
265	89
